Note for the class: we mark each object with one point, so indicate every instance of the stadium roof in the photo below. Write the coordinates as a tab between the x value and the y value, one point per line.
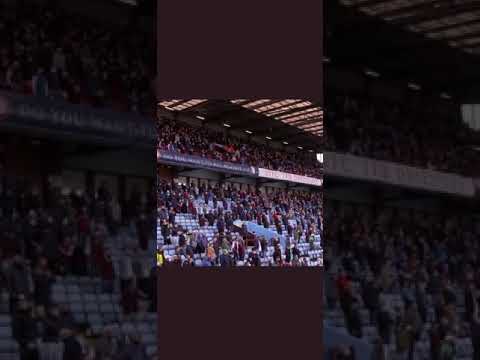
298	122
456	22
433	43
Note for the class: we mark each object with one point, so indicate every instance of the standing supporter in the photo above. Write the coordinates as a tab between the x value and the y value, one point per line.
42	279
25	330
40	83
475	331
72	345
19	279
134	350
131	297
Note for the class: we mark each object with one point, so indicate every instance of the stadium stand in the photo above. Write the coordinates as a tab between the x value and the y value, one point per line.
230	199
401	241
228	226
48	52
426	136
402	277
78	264
187	139
73	266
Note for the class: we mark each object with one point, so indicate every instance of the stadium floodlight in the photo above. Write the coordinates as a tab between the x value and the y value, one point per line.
320	158
371	73
471	115
414	86
227	125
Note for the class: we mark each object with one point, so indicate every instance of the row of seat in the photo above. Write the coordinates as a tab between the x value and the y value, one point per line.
144	324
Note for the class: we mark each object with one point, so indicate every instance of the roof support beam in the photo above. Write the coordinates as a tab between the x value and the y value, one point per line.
370	3
439	13
443	28
473	46
408	9
463	37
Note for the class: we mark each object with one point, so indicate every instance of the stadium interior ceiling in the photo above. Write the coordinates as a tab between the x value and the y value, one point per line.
293	122
433	43
456	22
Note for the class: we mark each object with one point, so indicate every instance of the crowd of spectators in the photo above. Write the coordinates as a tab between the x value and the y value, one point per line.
418	134
410	276
219	235
186	139
49	53
50	235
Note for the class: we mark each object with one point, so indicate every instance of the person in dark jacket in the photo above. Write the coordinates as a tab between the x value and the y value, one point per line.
254	259
225	259
475	331
469	301
354	320
370	295
291	252
43	281
134	350
385	324
19	278
277	255
72	347
25	330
